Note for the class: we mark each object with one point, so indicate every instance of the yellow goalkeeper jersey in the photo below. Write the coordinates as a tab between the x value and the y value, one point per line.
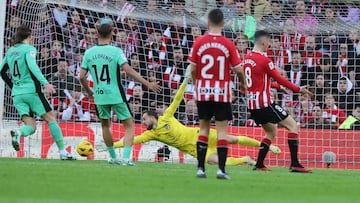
170	131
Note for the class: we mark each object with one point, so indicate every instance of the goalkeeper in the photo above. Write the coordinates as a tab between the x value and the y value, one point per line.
169	130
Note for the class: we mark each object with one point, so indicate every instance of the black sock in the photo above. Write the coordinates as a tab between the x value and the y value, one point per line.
222	151
293	146
201	148
264	148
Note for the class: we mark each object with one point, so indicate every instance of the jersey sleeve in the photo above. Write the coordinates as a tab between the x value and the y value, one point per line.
235	60
3	69
271	70
84	64
34	68
122	58
170	111
142	138
192	58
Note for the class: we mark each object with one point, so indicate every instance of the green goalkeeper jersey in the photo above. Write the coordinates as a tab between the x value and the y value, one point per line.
104	63
26	76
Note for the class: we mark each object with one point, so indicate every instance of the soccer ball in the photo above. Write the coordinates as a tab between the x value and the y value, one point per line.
85	148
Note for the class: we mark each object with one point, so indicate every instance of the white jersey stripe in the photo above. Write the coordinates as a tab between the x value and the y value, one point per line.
207	87
257	103
216	95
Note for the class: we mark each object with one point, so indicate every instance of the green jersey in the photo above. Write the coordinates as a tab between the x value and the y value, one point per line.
26	76
104	63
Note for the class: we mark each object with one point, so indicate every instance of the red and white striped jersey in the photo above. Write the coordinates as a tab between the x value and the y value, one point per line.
258	69
214	56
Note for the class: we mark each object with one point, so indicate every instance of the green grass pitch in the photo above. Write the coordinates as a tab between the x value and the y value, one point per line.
52	181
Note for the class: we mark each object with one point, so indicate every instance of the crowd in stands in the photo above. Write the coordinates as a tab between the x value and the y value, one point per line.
314	42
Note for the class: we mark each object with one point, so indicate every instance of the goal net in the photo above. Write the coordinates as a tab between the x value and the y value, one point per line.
314	43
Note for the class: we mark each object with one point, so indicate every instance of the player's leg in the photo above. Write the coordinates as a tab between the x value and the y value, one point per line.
247	141
293	142
205	113
223	114
271	132
104	114
123	113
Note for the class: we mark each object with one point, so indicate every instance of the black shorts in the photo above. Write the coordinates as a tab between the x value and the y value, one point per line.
208	109
271	114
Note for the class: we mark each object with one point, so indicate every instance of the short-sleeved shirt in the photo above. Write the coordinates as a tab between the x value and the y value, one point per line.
214	55
26	76
104	64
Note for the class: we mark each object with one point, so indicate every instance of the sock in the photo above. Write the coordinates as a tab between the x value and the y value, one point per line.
111	151
127	152
26	130
232	161
222	150
201	147
246	141
264	148
56	133
293	143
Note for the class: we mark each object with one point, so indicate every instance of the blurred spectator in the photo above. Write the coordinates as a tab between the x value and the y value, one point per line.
60	14
76	30
343	60
305	23
14	23
352	122
348	12
228	9
243	23
90	39
62	80
76	106
258	8
47	64
191	113
57	49
277	54
173	74
303	109
242	45
318	121
161	107
317	8
121	41
148	25
138	66
176	33
290	39
332	112
354	72
239	109
276	19
346	94
200	8
156	53
136	109
311	57
74	70
195	33
296	71
320	88
43	29
330	73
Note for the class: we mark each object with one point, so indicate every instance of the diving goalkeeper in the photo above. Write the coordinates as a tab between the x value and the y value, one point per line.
169	130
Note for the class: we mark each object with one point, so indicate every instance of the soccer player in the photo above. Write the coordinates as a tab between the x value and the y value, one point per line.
105	63
212	58
167	129
25	83
258	70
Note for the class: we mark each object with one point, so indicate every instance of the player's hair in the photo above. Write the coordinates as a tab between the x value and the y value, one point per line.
22	32
151	113
105	30
216	17
260	34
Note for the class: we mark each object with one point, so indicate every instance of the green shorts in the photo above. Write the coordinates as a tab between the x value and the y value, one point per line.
33	103
122	111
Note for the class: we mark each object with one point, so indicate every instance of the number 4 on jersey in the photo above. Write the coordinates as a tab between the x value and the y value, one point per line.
16	72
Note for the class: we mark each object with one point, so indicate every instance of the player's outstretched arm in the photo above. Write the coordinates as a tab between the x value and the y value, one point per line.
282	81
144	137
132	73
170	111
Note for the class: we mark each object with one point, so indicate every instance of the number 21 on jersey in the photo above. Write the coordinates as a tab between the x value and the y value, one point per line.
209	61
